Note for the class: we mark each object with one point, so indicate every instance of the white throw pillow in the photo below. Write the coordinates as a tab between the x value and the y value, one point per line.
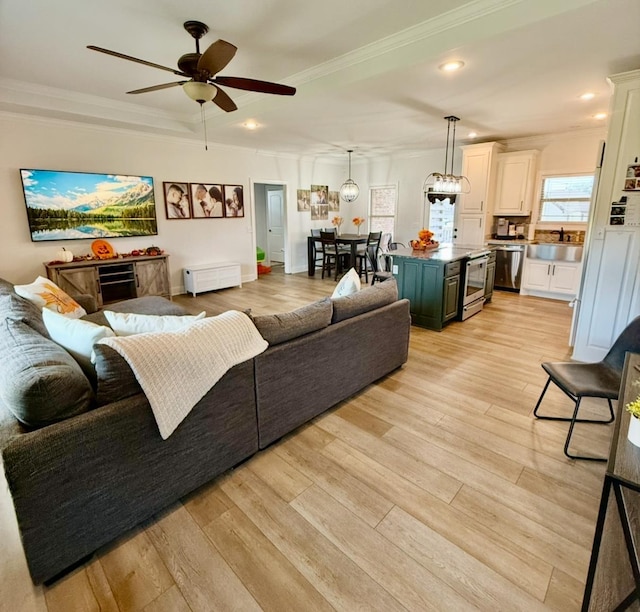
76	336
45	294
128	324
349	284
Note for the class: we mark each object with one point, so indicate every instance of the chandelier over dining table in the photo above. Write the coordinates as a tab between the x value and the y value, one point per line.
439	186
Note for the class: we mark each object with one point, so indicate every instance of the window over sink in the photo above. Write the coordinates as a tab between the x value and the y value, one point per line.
566	198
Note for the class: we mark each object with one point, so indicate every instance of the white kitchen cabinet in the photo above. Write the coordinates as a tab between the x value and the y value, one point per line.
515	183
479	166
559	279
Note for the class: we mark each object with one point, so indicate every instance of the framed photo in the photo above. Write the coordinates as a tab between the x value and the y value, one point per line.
207	201
632	182
334	201
177	200
319	203
233	201
304	200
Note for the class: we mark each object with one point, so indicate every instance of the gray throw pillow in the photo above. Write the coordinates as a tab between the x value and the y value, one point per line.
365	300
15	307
115	379
279	328
40	383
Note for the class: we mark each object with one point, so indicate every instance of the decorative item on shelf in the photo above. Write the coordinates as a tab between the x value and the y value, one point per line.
64	255
633	435
337	222
102	249
349	190
154	250
442	186
425	241
358	221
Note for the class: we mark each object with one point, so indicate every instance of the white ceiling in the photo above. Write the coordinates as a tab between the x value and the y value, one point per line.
366	70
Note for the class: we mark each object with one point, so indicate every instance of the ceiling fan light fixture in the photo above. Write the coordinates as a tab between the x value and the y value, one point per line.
439	186
200	92
349	191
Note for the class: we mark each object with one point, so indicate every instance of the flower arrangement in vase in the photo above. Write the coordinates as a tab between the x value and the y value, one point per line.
425	241
337	222
633	435
358	221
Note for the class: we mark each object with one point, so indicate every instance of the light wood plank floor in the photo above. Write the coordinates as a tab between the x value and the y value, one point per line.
433	489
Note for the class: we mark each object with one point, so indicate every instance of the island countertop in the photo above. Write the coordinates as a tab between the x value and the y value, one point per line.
444	253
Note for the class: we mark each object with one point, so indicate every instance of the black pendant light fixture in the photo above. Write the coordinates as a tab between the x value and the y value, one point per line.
441	186
349	190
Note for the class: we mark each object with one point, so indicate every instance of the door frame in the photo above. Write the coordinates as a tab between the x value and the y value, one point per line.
285	203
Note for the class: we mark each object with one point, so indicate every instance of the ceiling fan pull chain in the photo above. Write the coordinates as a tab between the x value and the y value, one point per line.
204	125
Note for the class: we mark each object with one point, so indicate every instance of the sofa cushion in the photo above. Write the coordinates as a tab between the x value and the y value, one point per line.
150	304
44	293
15	307
130	323
40	383
76	336
278	328
348	285
115	379
365	300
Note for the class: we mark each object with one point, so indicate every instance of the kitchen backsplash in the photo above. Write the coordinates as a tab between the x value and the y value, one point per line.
554	236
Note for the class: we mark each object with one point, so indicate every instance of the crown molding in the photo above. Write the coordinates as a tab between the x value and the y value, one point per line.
542	140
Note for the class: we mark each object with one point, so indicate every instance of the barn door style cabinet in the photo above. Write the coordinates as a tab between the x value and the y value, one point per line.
113	280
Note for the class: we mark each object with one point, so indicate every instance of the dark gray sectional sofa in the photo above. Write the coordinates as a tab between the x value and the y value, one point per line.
81	482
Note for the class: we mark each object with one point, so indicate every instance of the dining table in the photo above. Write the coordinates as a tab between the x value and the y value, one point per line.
351	240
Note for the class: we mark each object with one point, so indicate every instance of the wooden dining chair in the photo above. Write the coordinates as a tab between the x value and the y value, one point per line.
363	261
317	248
333	257
380	265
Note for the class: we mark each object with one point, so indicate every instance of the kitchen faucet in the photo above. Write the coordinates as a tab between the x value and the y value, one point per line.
561	234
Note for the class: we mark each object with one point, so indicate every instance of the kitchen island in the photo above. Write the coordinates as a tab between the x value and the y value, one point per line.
435	283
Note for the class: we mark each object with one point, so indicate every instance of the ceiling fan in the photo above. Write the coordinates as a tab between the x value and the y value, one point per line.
201	69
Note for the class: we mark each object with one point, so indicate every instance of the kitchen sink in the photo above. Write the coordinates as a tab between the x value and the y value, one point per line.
558	252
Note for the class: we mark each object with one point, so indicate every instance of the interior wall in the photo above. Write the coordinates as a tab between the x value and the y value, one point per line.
29	142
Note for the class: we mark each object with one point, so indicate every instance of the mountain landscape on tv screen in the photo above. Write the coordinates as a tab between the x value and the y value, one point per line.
75	205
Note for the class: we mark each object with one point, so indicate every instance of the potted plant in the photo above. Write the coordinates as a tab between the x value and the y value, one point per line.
633	435
358	221
337	221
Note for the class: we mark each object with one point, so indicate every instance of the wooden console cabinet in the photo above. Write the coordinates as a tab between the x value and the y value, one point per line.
113	280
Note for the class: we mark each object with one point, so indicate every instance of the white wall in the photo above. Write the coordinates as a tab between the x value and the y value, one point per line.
58	145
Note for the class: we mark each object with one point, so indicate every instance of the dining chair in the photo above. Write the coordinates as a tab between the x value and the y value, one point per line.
317	248
363	262
601	379
385	241
333	257
380	264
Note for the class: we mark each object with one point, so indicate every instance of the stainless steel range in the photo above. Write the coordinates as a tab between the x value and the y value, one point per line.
475	279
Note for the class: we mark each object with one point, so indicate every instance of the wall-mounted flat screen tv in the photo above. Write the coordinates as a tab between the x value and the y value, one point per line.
74	205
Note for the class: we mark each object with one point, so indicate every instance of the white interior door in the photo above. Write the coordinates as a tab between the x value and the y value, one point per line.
275	225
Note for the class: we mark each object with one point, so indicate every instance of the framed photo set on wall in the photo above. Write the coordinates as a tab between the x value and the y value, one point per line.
207	200
177	200
233	201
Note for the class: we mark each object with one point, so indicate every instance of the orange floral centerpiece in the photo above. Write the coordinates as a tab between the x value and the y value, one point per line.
425	241
358	221
337	221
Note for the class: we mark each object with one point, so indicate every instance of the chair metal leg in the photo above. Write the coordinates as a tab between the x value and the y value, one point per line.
573	420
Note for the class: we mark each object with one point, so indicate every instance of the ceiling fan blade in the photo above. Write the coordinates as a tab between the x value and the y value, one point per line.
224	101
135	59
255	85
156	87
216	57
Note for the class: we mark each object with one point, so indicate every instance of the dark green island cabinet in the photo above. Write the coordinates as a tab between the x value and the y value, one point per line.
432	285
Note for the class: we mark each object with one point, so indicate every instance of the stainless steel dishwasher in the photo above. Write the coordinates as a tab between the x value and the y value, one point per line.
509	262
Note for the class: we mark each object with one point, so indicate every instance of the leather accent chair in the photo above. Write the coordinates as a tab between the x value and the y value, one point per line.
602	379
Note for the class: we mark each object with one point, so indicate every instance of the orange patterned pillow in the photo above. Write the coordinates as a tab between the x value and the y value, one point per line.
46	294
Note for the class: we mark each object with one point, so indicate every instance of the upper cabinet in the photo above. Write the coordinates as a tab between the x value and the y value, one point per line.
515	183
479	165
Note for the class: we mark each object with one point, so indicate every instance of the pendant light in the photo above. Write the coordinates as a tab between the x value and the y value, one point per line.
349	190
441	186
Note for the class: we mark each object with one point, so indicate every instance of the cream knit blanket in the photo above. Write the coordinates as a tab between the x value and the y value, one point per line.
176	369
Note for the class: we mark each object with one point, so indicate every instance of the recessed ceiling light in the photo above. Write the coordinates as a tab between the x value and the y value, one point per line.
600	116
451	66
250	124
472	134
589	95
